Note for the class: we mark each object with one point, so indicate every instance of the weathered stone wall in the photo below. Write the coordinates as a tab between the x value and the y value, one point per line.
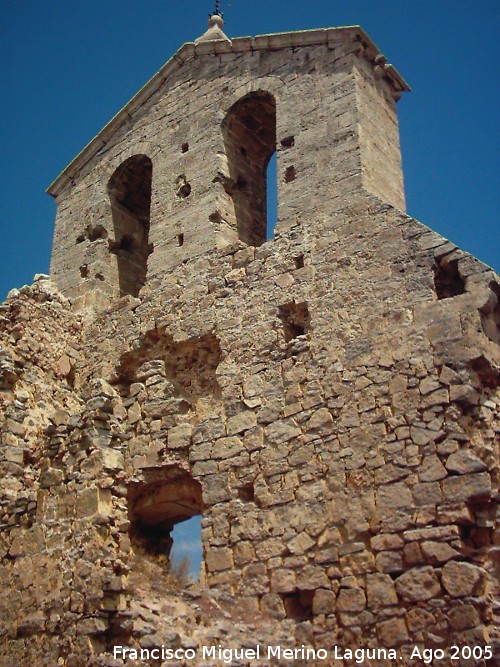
328	400
347	475
378	136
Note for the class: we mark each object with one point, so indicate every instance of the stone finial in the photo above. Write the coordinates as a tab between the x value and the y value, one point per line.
215	23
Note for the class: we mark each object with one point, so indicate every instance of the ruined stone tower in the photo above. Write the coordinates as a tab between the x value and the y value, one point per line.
326	399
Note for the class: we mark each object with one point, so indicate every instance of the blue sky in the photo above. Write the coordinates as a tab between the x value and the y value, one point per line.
67	67
187	542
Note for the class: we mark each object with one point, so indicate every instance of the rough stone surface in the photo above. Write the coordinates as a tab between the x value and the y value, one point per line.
463	579
418	584
327	400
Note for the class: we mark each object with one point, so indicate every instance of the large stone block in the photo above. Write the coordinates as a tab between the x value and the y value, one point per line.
418	584
94	501
380	591
219	559
467	487
463	579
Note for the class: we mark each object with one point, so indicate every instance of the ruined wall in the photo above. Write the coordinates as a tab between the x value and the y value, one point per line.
336	405
327	401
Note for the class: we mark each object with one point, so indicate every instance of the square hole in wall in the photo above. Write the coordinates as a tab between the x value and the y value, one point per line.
447	279
298	605
296	320
299	261
288	142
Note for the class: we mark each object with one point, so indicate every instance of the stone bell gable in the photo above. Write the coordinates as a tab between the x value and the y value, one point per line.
180	170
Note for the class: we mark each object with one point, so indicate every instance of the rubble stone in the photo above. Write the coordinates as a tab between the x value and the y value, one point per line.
463	579
418	584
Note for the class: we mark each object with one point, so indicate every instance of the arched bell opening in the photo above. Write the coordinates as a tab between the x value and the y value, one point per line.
249	132
129	192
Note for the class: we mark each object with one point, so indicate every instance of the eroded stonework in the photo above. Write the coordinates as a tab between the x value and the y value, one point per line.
326	400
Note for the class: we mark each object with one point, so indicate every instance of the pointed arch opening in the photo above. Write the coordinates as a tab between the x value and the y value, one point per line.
129	191
249	132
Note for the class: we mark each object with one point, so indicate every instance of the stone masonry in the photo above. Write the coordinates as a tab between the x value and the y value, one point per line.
327	399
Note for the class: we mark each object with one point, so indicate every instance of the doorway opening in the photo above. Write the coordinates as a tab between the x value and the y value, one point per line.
157	510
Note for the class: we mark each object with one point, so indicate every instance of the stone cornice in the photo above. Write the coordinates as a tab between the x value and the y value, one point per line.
332	37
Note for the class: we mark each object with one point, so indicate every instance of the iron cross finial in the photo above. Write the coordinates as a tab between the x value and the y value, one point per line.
217	11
